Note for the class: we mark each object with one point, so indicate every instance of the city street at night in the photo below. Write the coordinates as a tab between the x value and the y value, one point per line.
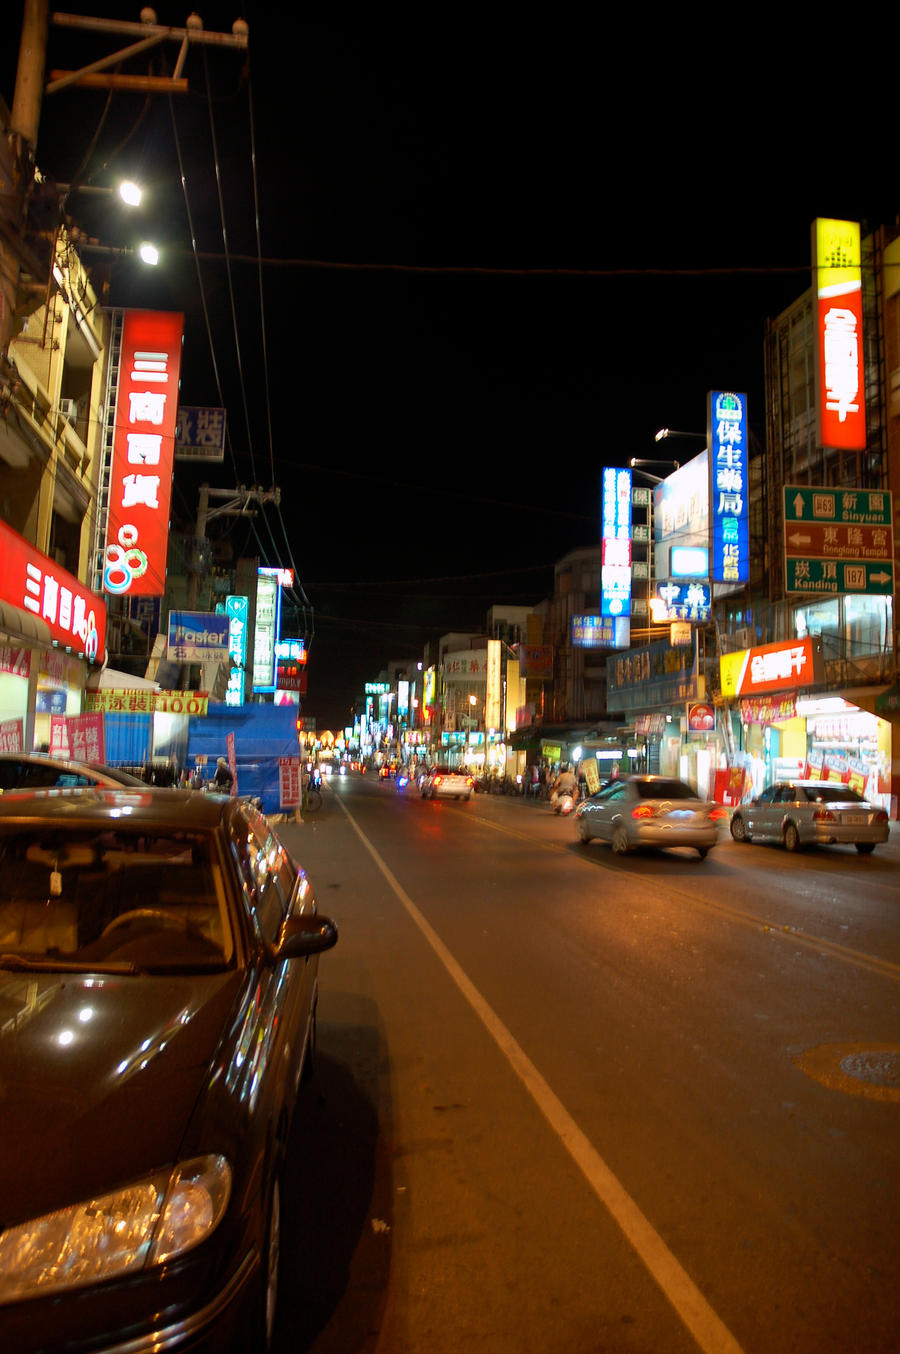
568	1101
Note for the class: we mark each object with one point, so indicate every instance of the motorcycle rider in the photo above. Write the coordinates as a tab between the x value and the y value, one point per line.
565	784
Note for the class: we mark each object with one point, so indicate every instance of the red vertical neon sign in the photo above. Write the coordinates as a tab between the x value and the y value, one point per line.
143	452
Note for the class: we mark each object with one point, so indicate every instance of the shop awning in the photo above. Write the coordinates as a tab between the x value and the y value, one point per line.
111	680
21	627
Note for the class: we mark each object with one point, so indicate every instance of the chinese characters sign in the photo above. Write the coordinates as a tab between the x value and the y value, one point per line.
75	617
615	574
140	487
200	435
729	513
197	637
840	403
601	632
782	666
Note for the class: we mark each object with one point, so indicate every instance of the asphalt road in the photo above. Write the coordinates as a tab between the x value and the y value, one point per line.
570	1103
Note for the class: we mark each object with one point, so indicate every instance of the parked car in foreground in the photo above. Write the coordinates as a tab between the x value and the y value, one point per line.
158	988
442	782
34	771
802	813
635	811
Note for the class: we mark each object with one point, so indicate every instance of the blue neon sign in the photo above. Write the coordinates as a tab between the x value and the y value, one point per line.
615	569
729	483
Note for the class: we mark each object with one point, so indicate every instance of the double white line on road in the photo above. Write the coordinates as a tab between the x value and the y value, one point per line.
710	1333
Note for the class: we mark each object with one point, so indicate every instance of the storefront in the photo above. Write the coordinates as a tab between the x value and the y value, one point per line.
789	731
52	633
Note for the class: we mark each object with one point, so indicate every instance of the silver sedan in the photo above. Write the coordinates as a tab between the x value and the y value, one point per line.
649	811
811	813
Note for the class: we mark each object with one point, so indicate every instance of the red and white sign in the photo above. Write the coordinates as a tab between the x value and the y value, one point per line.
11	735
839	372
781	666
290	789
86	738
75	616
143	453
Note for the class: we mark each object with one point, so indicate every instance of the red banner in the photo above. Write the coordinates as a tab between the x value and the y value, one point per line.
143	452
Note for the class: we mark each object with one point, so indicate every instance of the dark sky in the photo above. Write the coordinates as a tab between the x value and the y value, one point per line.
627	204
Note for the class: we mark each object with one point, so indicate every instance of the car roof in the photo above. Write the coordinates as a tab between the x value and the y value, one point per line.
185	809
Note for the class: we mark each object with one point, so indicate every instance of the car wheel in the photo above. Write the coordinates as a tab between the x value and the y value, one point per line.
619	840
791	837
583	835
865	848
739	829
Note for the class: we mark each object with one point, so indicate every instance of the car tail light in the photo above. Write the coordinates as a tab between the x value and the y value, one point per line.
824	816
881	816
470	780
718	814
643	811
438	780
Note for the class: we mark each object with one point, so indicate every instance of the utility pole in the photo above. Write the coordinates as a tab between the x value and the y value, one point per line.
235	503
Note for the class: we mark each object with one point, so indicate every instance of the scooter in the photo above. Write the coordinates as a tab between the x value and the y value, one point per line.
565	803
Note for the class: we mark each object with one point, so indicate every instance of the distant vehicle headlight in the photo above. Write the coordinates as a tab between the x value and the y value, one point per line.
146	1223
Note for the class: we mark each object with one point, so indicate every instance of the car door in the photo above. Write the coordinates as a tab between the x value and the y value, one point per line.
607	804
762	813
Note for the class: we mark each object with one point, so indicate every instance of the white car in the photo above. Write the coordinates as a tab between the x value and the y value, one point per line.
442	782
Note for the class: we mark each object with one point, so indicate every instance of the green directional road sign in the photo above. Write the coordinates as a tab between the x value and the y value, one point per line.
857	507
832	575
838	540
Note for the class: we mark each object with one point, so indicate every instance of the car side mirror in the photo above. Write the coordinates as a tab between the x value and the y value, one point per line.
305	934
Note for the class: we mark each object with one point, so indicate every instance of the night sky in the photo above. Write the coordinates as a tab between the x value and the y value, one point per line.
544	244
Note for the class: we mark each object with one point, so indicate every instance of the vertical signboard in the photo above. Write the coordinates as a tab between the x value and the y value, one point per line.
137	528
729	511
837	272
493	697
615	569
268	626
237	610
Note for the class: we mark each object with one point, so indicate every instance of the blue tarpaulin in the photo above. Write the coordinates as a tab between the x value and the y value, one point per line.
262	734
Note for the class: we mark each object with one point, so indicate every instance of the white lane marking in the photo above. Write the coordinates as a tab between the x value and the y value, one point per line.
709	1331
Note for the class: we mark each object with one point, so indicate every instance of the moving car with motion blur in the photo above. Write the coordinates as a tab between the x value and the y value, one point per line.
158	990
442	782
34	771
658	811
802	813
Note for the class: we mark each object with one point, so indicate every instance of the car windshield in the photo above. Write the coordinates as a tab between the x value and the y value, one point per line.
444	771
111	900
832	794
664	789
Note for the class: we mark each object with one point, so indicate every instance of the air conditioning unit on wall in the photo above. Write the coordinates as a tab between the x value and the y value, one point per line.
69	411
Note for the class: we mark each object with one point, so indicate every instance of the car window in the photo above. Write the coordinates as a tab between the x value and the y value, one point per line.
769	796
836	794
123	898
268	875
663	789
9	775
616	790
790	794
37	777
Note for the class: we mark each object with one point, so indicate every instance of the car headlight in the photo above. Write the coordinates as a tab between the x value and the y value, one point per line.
146	1223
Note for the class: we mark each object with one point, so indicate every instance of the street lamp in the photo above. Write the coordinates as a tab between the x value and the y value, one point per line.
637	461
663	433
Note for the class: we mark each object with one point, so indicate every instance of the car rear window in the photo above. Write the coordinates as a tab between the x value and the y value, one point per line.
664	789
139	899
837	794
